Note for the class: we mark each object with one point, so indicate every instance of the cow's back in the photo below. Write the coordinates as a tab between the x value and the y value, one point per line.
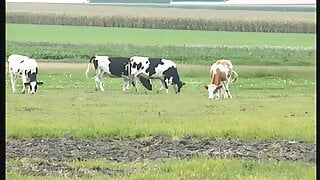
118	66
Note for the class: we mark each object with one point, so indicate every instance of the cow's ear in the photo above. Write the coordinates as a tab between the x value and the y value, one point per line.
206	86
39	83
183	84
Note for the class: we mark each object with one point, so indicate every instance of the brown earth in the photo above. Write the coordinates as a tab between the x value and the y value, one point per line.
54	153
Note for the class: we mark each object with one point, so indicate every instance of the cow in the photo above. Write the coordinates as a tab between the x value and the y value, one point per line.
228	64
156	68
117	67
27	69
219	82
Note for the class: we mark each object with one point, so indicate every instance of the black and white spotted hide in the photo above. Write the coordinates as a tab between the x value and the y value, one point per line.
116	67
157	68
27	69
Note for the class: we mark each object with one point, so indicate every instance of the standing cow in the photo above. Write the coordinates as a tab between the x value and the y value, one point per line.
27	69
118	67
219	82
156	68
228	64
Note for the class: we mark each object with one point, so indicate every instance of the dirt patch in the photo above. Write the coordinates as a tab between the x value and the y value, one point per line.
29	109
158	147
50	156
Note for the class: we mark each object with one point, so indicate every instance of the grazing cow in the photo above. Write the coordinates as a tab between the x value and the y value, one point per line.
219	81
118	67
27	69
156	68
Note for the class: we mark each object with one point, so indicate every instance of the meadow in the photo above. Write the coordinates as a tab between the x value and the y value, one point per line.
274	98
68	106
269	103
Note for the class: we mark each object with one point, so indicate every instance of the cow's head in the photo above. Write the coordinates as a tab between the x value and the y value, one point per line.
212	90
34	86
31	78
178	86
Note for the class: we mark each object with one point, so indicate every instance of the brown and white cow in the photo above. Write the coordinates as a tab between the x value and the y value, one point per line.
220	76
228	64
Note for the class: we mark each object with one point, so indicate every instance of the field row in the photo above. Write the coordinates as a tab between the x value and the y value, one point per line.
172	11
196	168
58	52
285	26
153	37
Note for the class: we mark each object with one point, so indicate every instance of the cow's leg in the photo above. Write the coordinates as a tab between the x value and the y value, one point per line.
99	79
226	87
99	82
165	84
24	87
162	84
125	85
13	79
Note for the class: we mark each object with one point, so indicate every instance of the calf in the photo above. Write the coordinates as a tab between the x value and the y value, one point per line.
156	68
27	69
118	67
219	80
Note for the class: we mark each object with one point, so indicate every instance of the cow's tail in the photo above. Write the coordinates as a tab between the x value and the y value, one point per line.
235	76
88	67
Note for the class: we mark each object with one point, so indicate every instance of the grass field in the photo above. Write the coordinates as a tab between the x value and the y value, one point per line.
197	168
269	103
147	37
208	12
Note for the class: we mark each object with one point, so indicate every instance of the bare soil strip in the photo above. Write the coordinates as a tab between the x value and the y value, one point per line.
53	154
158	147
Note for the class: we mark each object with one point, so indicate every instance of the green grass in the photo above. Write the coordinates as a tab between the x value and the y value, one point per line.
269	103
148	37
196	168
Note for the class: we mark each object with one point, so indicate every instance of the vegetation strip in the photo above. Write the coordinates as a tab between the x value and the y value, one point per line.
60	52
198	168
157	147
163	23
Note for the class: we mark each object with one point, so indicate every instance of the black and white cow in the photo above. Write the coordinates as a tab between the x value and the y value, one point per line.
27	69
118	67
156	68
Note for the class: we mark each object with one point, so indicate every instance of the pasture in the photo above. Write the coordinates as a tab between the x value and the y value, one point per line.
265	102
270	103
69	130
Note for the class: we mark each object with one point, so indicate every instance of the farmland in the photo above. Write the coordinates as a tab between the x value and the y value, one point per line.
146	37
231	13
69	130
67	107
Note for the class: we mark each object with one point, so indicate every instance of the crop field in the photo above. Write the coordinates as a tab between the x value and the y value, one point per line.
148	37
232	13
69	130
